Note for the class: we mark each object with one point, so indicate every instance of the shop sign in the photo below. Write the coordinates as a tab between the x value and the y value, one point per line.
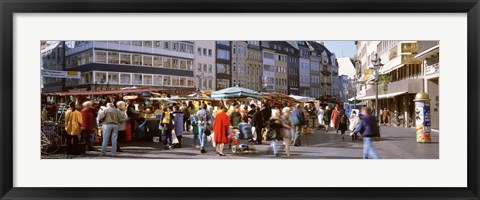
410	48
393	53
432	69
60	74
409	59
183	92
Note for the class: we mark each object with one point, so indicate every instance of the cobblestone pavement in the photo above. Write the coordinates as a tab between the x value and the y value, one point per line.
396	143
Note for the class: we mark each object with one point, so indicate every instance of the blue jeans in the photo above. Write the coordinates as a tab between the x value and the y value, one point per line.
167	136
369	149
274	145
201	136
108	129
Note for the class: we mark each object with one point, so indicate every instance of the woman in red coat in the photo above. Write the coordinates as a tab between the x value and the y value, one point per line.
335	118
221	125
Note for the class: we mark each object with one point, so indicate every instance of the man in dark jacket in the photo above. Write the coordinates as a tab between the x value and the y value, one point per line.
258	123
298	119
367	129
88	124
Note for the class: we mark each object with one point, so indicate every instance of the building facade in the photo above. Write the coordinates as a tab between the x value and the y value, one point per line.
344	85
107	65
239	63
400	77
293	69
314	72
204	65
304	51
269	69
429	56
223	63
52	58
254	66
281	74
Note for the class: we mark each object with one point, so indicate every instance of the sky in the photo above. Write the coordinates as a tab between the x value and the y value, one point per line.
341	48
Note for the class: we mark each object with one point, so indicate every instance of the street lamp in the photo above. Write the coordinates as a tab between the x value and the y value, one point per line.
377	63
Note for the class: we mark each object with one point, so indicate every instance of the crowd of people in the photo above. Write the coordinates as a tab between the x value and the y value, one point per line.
255	123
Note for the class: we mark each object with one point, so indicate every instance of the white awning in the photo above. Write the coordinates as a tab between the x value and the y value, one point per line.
383	96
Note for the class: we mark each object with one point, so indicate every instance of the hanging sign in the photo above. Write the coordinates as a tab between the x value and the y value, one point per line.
60	74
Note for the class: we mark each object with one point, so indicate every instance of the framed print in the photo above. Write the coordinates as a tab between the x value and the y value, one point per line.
247	100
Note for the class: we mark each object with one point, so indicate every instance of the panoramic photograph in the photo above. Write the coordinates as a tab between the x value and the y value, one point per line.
205	99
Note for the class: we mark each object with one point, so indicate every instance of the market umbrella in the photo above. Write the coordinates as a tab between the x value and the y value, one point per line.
235	92
301	98
277	97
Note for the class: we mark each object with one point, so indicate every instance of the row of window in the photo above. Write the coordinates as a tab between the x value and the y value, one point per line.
293	83
282	58
168	45
269	68
204	68
111	57
205	84
280	81
223	68
254	56
204	52
113	78
223	54
281	69
293	71
239	49
223	83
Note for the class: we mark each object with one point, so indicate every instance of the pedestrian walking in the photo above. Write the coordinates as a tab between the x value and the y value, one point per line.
88	124
367	129
221	126
203	120
342	122
320	113
354	121
178	125
335	118
132	116
385	116
250	114
196	139
110	118
288	128
298	120
167	124
121	107
326	118
186	117
258	122
275	130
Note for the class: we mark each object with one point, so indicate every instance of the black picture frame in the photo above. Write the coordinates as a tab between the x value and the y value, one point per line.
10	7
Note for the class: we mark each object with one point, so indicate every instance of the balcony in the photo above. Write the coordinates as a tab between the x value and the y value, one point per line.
326	73
411	86
251	46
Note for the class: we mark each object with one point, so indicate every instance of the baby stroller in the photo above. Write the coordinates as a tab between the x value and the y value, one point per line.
239	141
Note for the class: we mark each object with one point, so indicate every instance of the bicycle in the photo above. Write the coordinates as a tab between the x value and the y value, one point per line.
50	141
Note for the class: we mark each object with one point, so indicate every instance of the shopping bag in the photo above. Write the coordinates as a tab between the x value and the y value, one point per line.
331	124
213	139
174	138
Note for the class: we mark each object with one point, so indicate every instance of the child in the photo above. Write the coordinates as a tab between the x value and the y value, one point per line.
193	122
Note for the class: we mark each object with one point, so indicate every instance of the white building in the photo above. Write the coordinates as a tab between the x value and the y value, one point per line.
106	65
204	65
400	77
